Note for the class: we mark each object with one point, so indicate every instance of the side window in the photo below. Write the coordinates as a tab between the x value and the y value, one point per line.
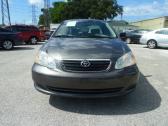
3	30
35	29
141	32
8	28
135	31
14	29
22	29
163	32
29	29
166	32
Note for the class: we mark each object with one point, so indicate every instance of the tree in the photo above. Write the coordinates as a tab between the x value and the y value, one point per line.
97	9
41	20
82	9
57	12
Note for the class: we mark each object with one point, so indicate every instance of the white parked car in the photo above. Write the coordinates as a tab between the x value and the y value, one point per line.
156	38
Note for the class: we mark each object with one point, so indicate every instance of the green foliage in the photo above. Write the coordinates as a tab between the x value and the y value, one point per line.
83	9
41	20
57	12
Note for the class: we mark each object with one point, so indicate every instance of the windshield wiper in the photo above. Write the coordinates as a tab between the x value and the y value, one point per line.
64	36
90	36
101	36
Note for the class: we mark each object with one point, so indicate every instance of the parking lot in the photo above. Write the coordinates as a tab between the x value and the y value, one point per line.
22	105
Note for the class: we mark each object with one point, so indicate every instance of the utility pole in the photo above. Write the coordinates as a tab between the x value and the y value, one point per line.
46	13
121	16
34	16
6	20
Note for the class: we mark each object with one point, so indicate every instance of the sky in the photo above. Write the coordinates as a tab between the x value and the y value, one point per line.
134	10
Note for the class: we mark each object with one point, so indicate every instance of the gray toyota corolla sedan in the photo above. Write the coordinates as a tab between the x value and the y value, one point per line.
85	58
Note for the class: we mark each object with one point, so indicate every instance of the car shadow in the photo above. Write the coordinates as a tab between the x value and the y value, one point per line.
41	43
162	48
158	48
145	98
18	48
38	43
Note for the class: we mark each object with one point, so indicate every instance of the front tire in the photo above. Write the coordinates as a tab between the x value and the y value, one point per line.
7	45
152	44
33	40
128	40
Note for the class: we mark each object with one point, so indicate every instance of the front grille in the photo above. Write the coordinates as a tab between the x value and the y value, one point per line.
95	65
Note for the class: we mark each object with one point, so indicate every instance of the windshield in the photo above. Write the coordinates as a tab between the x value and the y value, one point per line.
85	29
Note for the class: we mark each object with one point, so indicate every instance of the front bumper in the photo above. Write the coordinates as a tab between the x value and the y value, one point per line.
143	41
115	83
136	40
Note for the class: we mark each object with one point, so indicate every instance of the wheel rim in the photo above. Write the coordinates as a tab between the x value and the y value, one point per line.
152	44
7	45
33	40
128	40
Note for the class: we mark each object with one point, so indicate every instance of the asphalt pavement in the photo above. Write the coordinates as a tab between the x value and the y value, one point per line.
22	105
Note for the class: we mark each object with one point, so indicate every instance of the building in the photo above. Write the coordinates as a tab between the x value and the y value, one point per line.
152	24
121	26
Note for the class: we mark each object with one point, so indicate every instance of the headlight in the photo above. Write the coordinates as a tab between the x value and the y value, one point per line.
126	60
44	59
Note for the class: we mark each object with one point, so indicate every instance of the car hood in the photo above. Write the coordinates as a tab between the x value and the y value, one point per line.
135	34
85	48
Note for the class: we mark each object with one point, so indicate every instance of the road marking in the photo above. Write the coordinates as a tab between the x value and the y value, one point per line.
166	88
156	64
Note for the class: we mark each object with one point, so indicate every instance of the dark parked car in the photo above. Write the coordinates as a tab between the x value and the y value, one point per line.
133	37
48	34
9	39
29	34
85	58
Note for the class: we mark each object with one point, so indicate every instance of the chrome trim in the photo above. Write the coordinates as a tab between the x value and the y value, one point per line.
88	59
108	68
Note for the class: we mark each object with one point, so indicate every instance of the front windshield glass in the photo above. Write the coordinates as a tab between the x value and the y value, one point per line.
85	29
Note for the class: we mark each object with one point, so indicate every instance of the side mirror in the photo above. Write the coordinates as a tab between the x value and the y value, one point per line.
123	36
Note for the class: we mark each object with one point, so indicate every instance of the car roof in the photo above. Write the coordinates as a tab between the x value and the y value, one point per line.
162	29
83	20
23	26
158	30
165	28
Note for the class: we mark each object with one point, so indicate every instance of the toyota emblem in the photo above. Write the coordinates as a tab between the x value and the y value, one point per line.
85	63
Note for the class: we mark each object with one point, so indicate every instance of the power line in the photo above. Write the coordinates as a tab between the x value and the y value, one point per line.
6	20
34	16
46	13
